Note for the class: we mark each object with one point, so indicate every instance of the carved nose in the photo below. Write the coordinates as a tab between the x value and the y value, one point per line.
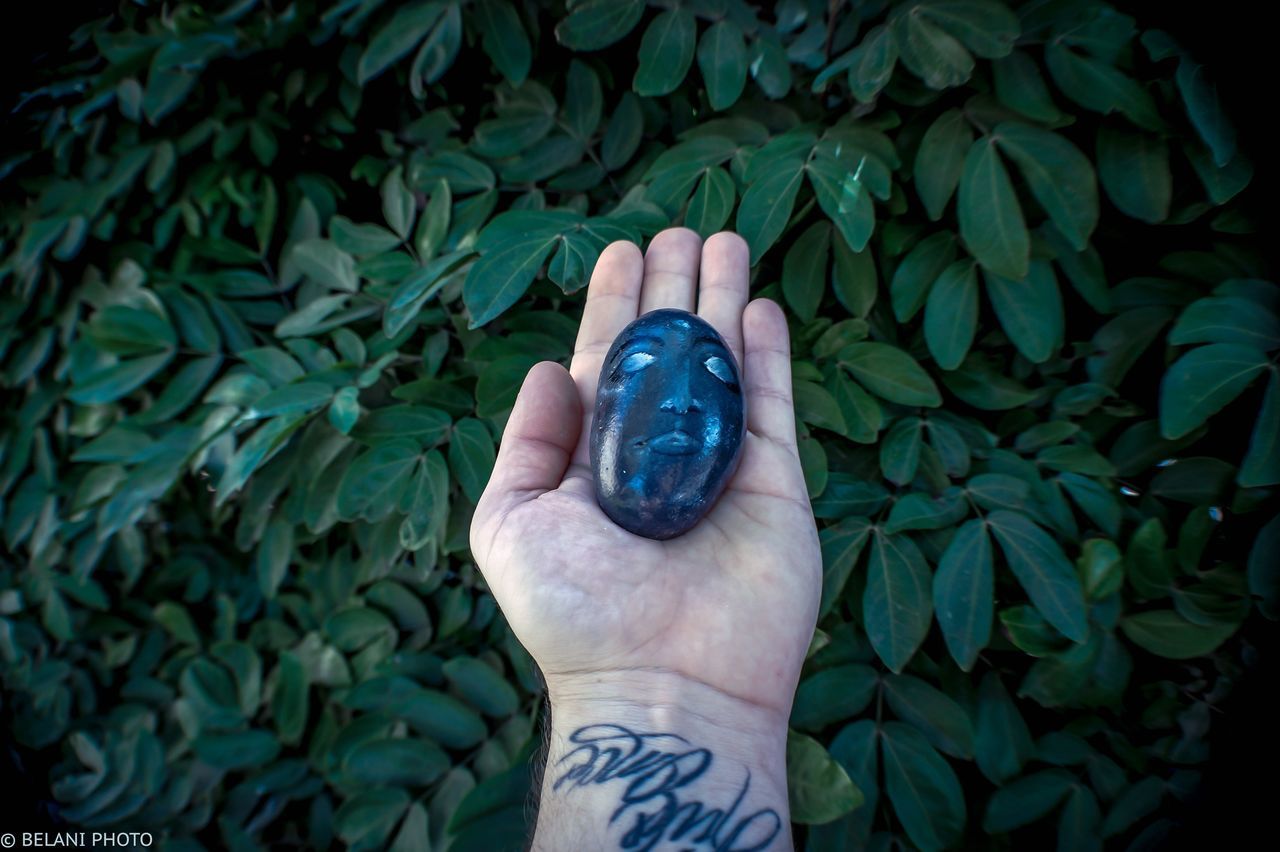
680	400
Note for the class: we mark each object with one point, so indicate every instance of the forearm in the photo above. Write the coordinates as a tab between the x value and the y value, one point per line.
646	760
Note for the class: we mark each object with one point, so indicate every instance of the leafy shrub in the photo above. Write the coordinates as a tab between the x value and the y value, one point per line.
273	275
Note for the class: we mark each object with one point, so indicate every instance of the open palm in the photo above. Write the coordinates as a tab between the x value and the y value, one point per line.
731	604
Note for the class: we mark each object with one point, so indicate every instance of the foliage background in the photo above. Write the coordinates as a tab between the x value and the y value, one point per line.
267	302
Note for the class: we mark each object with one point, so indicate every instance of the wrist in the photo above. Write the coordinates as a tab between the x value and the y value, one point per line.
651	757
661	699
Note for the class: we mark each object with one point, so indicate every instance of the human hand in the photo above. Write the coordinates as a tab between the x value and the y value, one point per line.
710	624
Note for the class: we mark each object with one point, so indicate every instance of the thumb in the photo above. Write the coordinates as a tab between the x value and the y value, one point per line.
537	444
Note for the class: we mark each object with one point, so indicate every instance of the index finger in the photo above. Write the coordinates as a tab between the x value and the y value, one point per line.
613	300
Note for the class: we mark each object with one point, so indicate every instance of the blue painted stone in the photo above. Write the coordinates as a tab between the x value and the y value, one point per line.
668	425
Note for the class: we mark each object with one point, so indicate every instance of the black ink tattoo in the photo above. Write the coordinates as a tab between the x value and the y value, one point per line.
655	768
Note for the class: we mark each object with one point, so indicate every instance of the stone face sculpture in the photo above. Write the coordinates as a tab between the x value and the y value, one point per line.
669	423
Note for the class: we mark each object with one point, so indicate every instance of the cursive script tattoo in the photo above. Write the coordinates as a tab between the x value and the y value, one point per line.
658	769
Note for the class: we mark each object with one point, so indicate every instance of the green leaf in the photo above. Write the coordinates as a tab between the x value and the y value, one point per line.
438	50
923	788
1134	168
433	224
251	454
818	788
428	426
856	748
872	62
804	271
441	717
1227	319
1261	465
1202	382
482	686
397	203
987	28
1140	800
722	59
622	136
712	203
372	486
368	816
325	263
897	608
1029	310
964	593
471	456
666	52
833	695
1167	634
291	399
1026	800
1078	827
1205	111
240	750
1146	562
274	552
918	271
844	198
1020	87
1220	183
122	330
583	100
853	277
815	405
900	451
766	206
1043	571
403	762
1098	86
841	544
890	373
940	160
928	52
175	619
598	23
503	38
355	627
917	511
502	275
770	66
1002	742
399	35
991	223
289	701
943	722
109	384
813	463
951	314
1059	175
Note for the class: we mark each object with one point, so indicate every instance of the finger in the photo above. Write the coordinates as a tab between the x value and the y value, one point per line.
613	300
767	374
536	448
671	270
722	288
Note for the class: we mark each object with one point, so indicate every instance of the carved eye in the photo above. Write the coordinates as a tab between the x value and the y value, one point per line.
635	362
719	368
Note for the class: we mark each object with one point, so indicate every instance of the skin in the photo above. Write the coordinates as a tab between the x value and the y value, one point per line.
702	635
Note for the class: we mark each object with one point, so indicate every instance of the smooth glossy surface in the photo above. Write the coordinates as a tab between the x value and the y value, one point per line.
668	425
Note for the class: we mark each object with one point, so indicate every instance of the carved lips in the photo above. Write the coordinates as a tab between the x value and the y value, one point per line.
669	423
